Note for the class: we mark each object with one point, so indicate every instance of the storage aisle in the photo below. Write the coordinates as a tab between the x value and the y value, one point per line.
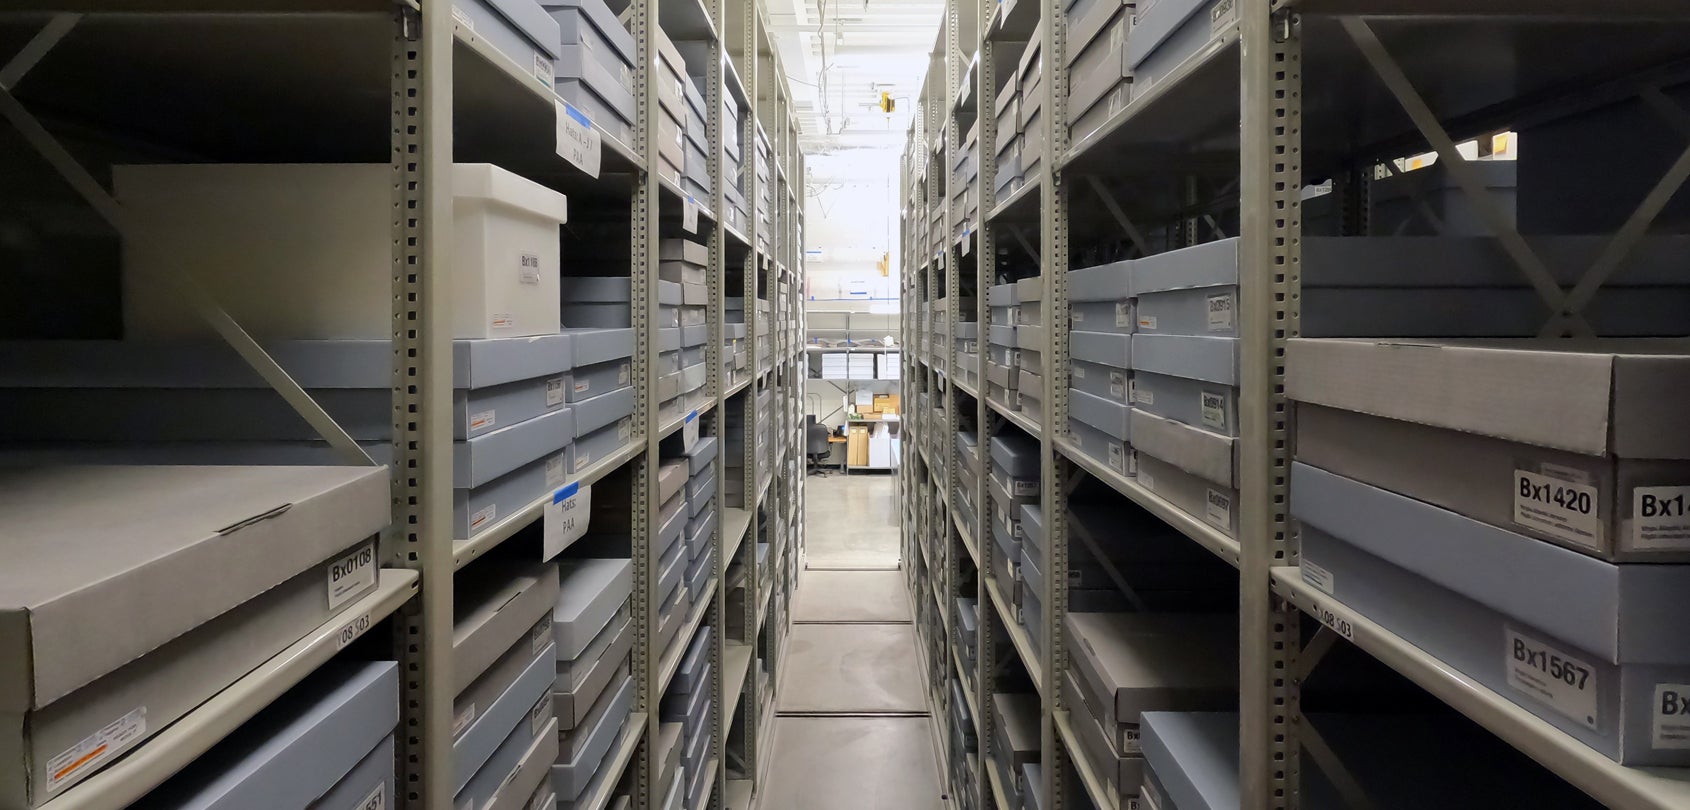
853	729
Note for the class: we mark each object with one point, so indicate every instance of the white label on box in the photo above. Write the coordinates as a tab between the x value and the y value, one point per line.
582	385
577	141
689	432
1147	322
1077	316
1135	743
377	800
1022	486
1144	397
538	716
349	576
1117	458
1550	676
1146	480
1660	517
350	631
482	517
625	428
481	420
1218	509
1118	384
462	720
1077	372
1671	728
540	635
1561	509
543	70
1318	576
96	748
1214	410
502	320
1223	15
463	19
582	459
554	471
566	518
1220	312
622	374
528	268
689	215
1123	313
554	392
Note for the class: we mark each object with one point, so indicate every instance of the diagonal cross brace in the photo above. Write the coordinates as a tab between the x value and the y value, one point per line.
1137	236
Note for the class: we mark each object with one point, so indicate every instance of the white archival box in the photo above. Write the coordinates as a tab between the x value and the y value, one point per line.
304	251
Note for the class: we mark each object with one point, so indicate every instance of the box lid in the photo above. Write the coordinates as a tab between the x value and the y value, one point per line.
1017	454
494	603
668	293
1107	282
669	339
590	591
683	250
1157	661
1157	22
1018	717
1194	756
1620	397
106	564
602	19
1625	613
1192	357
1211	264
594	346
532	20
1104	348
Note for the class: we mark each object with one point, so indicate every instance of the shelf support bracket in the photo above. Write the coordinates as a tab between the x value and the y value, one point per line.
1133	233
1327	760
36	49
202	303
1311	655
1527	260
1021	239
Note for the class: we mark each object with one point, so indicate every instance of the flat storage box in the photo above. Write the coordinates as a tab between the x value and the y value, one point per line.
1017	455
500	611
604	410
519	29
291	545
223	225
682	261
1122	772
1107	349
600	444
297	749
534	741
1016	726
1112	384
1207	455
591	591
202	391
1499	606
1190	291
1206	500
525	698
1114	453
1100	299
1097	63
602	361
577	747
605	78
1575	443
1166	34
1130	663
597	302
580	681
1111	417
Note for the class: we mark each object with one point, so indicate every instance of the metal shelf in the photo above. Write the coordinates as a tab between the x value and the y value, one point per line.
617	762
1017	634
1605	780
469	550
1017	418
1189	525
671	660
736	668
736	523
131	777
998	796
1098	789
737	796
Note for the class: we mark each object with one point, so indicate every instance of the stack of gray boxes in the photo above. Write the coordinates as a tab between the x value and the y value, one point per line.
1008	113
736	215
328	742
519	29
1100	84
1527	498
968	455
670	75
599	387
1029	525
1185	379
1003	357
689	262
966	344
765	189
1013	481
1100	378
1163	36
1397	760
1015	726
597	302
229	580
965	178
669	552
595	65
696	181
504	662
199	403
964	742
593	688
688	703
1029	77
1123	664
701	517
1030	345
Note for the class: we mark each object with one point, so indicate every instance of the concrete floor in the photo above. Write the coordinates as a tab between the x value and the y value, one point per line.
851	521
853	731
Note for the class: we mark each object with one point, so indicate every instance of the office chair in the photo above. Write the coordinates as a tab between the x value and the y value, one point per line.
816	446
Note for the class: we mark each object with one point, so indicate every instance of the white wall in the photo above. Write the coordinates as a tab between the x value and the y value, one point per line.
851	207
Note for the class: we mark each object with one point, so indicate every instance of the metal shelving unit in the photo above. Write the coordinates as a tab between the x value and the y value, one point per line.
1286	94
300	81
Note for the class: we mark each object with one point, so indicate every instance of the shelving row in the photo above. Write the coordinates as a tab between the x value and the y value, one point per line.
1250	466
489	396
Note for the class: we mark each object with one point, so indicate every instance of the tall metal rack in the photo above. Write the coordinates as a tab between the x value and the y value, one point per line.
1286	93
451	94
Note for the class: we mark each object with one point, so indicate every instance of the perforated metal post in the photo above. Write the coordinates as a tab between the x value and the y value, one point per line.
1053	493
